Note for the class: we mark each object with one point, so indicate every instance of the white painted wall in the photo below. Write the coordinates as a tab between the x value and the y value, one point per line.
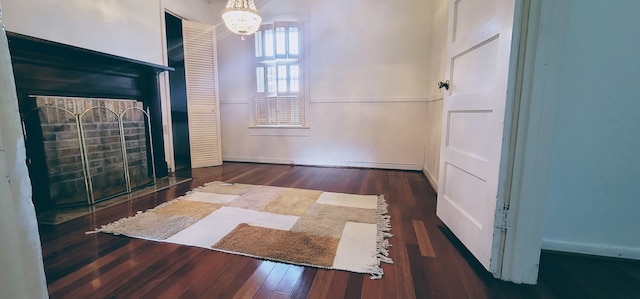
593	195
433	131
193	10
130	29
367	86
437	15
22	274
120	27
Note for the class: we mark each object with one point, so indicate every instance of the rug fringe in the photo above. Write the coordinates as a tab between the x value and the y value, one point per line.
384	226
107	227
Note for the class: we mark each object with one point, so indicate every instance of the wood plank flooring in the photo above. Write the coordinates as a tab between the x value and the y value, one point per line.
428	261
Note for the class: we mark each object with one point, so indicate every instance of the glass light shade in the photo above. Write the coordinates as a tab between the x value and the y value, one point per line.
241	17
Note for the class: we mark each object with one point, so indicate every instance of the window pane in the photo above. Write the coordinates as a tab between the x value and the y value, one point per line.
294	78
261	112
258	36
294	109
260	79
278	70
294	41
282	78
273	111
268	42
283	110
281	45
271	79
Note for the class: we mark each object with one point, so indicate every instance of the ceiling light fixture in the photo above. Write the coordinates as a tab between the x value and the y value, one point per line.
241	17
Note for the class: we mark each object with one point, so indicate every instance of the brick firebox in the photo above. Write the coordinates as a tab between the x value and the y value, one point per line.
59	119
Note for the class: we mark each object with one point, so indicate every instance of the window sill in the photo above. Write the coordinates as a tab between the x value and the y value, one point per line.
278	131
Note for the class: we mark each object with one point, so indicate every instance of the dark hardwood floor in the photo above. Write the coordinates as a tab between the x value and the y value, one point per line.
428	261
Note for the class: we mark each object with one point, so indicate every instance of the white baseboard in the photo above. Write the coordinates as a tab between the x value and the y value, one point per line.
257	160
432	180
398	166
592	249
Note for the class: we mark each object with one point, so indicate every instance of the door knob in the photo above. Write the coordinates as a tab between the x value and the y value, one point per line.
444	84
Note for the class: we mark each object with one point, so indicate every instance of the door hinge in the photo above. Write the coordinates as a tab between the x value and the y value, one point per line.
505	212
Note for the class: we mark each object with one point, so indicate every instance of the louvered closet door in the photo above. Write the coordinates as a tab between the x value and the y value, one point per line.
202	94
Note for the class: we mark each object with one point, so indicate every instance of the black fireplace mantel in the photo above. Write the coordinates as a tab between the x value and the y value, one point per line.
49	68
42	67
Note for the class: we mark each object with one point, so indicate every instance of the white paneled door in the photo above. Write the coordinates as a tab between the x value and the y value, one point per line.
478	53
202	94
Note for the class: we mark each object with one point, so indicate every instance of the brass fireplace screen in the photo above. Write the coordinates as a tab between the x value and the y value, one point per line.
83	150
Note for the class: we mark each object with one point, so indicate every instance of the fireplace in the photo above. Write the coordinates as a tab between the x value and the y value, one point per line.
92	149
92	122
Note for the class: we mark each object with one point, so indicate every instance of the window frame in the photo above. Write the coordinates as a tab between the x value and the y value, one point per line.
278	60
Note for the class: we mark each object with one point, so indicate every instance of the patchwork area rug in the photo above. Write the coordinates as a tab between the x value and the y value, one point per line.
298	226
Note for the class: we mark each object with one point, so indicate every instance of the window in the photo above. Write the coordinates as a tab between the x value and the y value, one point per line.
279	87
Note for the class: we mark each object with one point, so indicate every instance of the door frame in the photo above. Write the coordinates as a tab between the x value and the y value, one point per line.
176	79
165	92
530	137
